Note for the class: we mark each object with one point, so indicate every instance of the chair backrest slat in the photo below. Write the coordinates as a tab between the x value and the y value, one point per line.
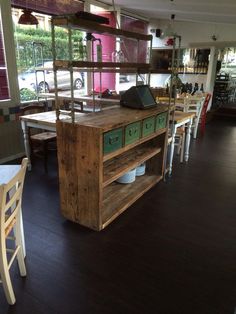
10	197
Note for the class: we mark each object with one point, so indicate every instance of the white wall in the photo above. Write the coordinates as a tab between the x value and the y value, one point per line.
196	35
192	32
158	80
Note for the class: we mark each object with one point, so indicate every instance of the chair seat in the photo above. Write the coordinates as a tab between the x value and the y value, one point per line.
180	131
44	136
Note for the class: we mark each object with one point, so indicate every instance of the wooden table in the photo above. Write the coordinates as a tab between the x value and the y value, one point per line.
7	172
181	119
44	121
66	96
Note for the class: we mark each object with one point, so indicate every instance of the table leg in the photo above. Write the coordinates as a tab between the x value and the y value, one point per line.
189	125
172	147
26	142
196	126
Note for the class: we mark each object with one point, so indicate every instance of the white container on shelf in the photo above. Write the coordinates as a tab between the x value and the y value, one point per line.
128	177
140	170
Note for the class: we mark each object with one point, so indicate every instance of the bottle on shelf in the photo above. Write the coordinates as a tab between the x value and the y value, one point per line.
190	88
167	89
195	89
201	88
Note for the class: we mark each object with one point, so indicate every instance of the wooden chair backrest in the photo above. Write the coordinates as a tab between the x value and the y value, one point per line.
194	104
33	108
10	200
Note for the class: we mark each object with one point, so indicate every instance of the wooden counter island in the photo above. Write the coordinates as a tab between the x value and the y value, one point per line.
100	147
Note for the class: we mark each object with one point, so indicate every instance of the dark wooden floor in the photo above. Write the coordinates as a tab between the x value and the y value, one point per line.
172	252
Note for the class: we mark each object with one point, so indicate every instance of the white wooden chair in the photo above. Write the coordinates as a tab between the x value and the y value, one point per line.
179	141
10	230
193	104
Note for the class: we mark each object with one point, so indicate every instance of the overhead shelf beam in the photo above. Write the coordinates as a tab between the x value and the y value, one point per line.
72	21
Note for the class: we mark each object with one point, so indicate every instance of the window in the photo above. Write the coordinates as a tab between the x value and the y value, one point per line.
8	77
4	87
34	57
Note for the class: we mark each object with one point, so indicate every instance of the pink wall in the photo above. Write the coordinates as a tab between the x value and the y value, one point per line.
129	47
108	46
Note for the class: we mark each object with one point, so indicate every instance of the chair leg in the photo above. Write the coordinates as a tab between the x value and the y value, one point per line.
179	145
45	156
203	125
31	152
19	242
182	148
5	277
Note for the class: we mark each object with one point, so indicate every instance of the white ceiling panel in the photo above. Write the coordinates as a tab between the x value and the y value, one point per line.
214	11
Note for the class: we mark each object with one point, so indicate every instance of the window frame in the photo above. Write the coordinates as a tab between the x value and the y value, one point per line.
10	56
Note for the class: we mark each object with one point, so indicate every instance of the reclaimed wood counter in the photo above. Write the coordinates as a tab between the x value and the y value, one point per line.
100	147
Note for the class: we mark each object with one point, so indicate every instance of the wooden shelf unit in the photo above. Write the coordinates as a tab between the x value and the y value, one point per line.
70	22
73	22
116	167
88	191
118	197
115	67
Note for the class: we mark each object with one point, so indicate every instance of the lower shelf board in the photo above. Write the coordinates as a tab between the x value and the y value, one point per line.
116	167
117	197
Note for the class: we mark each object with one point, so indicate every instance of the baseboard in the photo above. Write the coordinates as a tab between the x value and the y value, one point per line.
13	157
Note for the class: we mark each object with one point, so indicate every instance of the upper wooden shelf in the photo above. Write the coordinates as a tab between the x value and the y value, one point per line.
72	21
103	66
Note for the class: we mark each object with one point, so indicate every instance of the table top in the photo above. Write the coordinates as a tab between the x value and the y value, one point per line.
78	97
7	172
180	116
116	117
48	117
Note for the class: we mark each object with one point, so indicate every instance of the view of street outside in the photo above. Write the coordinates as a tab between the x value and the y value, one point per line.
34	60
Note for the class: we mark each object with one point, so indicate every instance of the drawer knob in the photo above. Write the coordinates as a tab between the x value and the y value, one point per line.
113	140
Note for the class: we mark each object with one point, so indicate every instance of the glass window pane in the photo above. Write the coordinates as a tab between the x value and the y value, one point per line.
4	87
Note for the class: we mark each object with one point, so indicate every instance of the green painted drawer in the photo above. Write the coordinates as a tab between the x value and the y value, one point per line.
112	140
148	126
132	132
161	120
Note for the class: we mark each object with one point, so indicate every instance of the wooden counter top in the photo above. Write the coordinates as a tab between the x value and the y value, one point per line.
115	117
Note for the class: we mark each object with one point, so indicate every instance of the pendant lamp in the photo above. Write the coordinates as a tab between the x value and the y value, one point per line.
27	18
169	30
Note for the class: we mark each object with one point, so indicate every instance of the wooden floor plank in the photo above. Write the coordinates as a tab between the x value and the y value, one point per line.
173	251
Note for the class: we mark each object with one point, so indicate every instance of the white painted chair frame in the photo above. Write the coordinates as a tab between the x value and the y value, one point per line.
193	104
10	223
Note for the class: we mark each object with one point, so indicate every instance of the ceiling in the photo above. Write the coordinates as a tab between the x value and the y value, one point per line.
213	11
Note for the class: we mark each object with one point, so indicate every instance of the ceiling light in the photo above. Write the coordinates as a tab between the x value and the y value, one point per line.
27	18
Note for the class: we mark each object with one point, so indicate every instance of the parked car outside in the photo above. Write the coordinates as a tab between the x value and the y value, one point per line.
42	80
124	78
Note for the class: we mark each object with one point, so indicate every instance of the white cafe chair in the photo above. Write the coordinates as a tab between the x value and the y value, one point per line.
193	104
11	231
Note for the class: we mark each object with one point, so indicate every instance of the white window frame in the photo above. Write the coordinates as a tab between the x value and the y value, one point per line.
10	56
